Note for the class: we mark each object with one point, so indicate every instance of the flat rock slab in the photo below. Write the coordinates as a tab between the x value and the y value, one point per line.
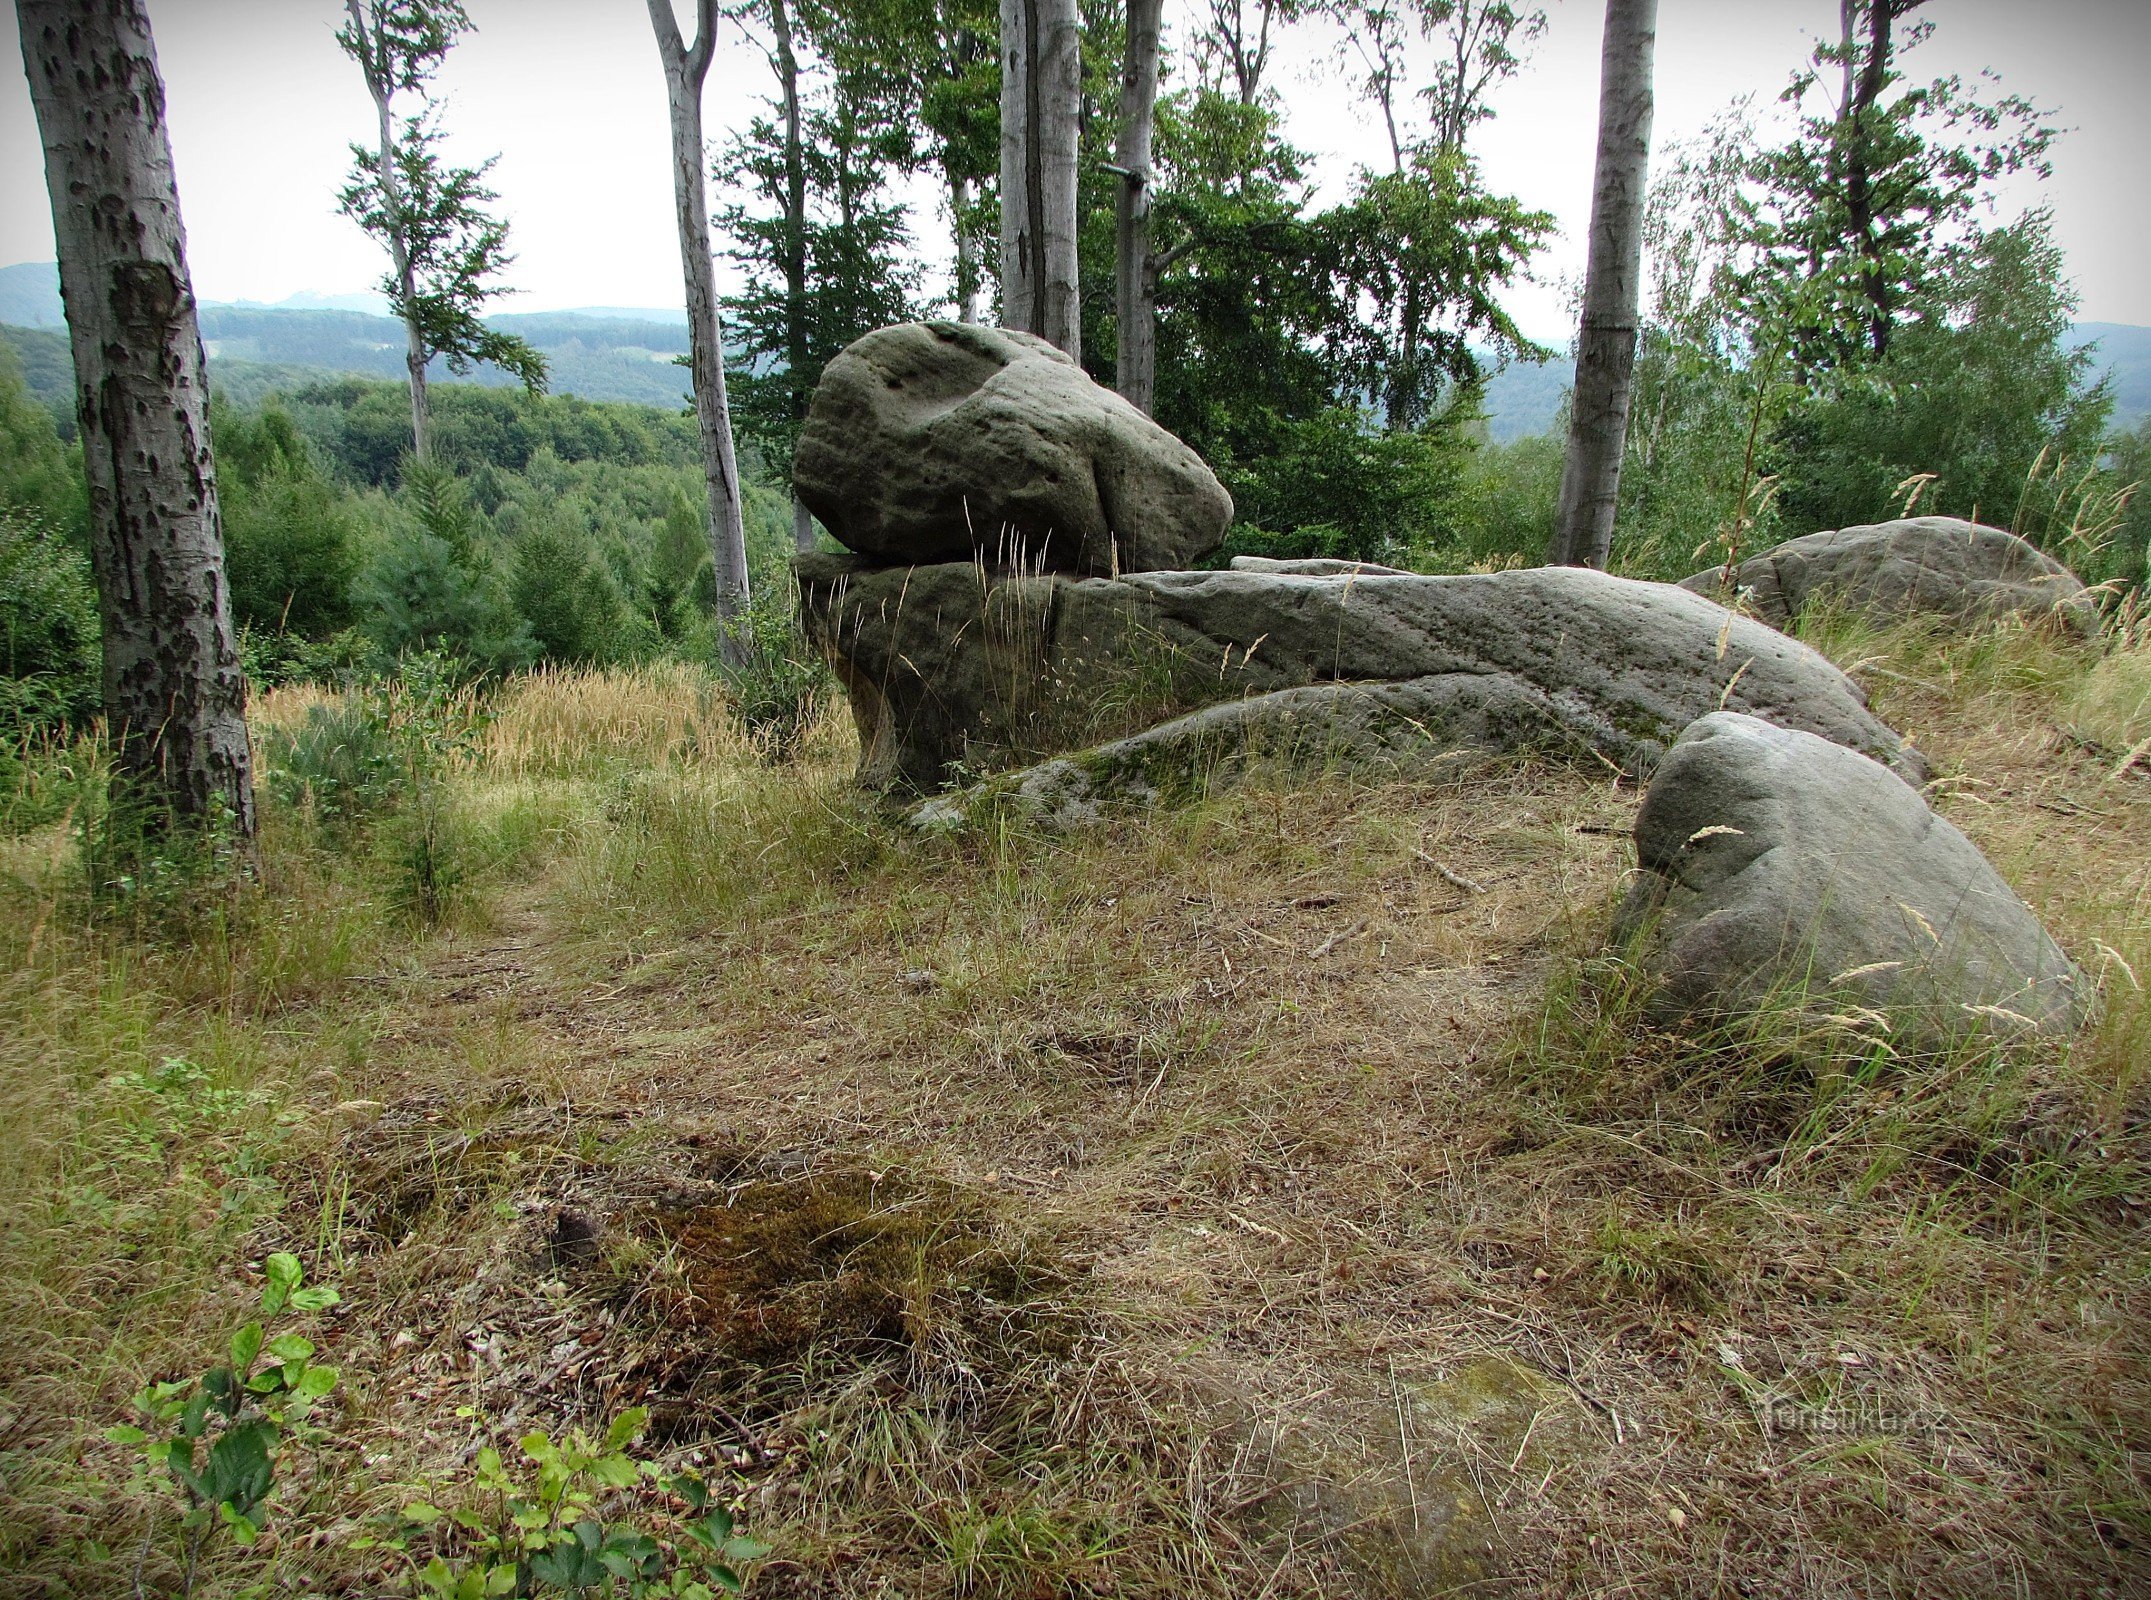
936	441
1778	868
1935	566
1369	729
956	671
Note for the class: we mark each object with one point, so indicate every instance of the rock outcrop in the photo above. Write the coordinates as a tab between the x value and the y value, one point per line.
938	441
1778	867
1889	570
954	669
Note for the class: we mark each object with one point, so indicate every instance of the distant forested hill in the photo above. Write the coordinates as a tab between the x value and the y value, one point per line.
624	354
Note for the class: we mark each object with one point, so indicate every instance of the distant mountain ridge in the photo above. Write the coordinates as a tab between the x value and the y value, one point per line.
627	353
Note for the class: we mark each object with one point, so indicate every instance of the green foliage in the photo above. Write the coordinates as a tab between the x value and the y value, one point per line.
49	632
445	248
569	602
1973	390
539	1528
775	678
824	246
381	760
39	476
2129	462
432	586
215	1440
291	537
1336	486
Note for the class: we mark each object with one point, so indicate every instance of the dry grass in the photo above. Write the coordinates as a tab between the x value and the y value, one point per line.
1227	1202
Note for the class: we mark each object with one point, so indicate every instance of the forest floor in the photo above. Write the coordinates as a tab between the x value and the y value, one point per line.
1279	1197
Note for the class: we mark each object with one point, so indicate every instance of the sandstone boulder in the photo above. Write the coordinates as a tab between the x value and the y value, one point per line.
1778	864
933	441
955	669
1372	729
1932	565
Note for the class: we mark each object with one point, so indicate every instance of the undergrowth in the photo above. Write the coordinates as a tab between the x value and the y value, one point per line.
1011	1214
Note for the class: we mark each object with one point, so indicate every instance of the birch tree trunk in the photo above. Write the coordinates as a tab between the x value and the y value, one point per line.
1606	342
1041	107
1135	273
373	64
686	69
175	701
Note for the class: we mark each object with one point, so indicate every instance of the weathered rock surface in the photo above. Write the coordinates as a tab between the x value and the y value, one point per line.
1774	862
954	669
930	441
1888	570
1376	729
1315	567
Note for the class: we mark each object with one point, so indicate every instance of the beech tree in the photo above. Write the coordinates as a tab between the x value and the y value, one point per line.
1041	117
174	697
1135	268
686	67
1612	288
444	247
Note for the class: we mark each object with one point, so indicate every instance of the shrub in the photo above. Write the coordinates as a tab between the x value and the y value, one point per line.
49	632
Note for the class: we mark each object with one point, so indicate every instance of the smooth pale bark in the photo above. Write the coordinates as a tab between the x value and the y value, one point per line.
1041	108
785	57
175	700
967	269
1606	342
373	64
686	68
1135	272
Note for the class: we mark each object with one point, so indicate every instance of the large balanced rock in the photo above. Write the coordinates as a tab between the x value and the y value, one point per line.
956	669
935	441
1777	867
1889	570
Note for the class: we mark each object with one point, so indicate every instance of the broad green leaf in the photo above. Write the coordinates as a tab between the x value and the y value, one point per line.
317	1299
286	1348
315	1382
422	1513
627	1425
126	1433
283	1272
244	1531
246	1345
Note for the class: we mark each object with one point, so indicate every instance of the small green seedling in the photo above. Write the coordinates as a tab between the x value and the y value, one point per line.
538	1530
216	1439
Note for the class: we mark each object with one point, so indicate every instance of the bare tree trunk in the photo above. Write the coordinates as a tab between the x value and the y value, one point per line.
175	701
1041	107
796	354
1136	283
1606	342
375	66
686	68
967	272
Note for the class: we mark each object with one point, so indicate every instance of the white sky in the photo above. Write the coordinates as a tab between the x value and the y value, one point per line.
263	107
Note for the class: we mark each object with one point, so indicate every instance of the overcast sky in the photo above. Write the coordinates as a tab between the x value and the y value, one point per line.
568	92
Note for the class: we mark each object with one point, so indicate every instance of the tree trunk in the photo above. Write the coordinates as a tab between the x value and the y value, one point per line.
1606	342
175	701
967	273
1859	187
796	354
1135	274
1041	108
416	355
686	68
